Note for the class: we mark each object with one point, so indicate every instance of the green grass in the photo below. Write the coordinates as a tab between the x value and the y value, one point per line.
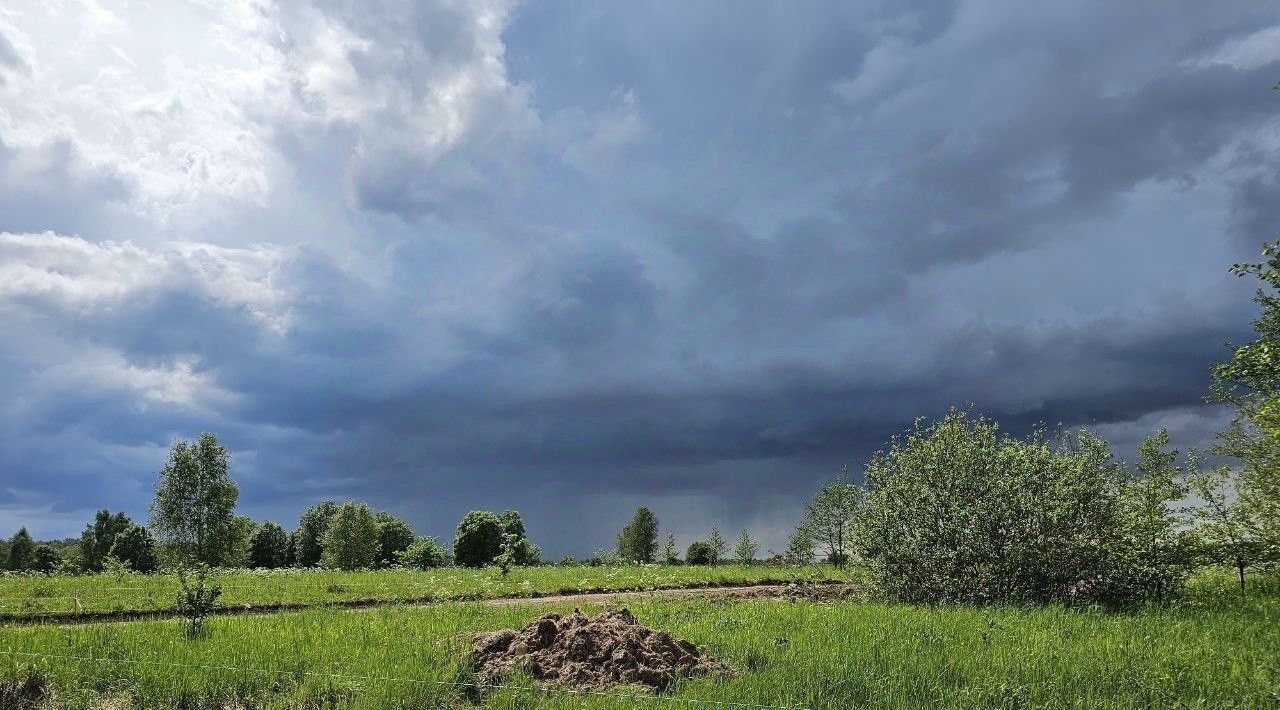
36	595
1212	650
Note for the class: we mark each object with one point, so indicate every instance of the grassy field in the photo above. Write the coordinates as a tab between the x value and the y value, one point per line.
1211	650
38	595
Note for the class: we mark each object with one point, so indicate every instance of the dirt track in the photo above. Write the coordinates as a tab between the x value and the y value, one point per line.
766	590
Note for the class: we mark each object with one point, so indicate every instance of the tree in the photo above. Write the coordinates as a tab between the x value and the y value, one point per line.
831	518
526	553
22	551
958	512
699	553
99	536
478	539
312	526
45	559
1225	529
745	551
669	553
424	553
195	500
717	545
1250	382
234	547
269	546
800	547
394	536
1159	544
135	547
638	541
351	542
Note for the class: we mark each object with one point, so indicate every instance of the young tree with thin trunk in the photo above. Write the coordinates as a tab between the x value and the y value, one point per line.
638	540
717	545
800	546
195	500
744	552
669	552
831	518
1224	525
351	542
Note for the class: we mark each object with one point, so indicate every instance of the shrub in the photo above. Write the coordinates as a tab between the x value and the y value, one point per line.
45	559
700	552
196	599
958	512
424	553
478	539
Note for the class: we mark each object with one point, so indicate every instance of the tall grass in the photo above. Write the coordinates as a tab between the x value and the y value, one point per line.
1213	650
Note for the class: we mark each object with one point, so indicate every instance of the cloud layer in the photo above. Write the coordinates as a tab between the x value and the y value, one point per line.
571	260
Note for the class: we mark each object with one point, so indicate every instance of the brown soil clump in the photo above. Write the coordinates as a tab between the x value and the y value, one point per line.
583	653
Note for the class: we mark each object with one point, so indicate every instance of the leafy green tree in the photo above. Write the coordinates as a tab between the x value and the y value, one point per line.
717	544
394	536
22	551
1225	527
312	526
800	547
135	547
958	512
269	546
526	553
744	552
700	552
669	553
291	551
831	518
45	559
478	539
1161	548
1250	382
194	506
424	553
507	552
638	540
99	536
351	542
234	547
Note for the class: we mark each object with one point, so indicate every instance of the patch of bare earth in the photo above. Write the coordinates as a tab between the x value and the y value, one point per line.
578	652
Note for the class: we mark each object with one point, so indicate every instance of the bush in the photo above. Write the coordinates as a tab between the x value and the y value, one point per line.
957	512
478	539
196	599
424	553
700	553
45	559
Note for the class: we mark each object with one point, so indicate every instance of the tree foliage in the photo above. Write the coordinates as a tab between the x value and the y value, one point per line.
1250	382
831	518
22	551
800	547
99	536
958	512
744	552
1161	549
717	545
525	552
394	536
670	554
478	539
424	553
269	546
700	552
195	501
309	537
135	547
351	540
638	540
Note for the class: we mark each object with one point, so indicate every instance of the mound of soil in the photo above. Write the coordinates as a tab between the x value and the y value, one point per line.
584	653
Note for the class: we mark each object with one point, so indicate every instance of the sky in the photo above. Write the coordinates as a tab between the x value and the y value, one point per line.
572	258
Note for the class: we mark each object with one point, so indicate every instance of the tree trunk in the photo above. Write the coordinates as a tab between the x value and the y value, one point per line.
1240	568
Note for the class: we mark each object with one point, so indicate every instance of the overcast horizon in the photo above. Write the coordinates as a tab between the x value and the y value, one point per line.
574	258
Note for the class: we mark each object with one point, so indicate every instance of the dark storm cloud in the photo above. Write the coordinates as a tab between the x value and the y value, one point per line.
696	257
